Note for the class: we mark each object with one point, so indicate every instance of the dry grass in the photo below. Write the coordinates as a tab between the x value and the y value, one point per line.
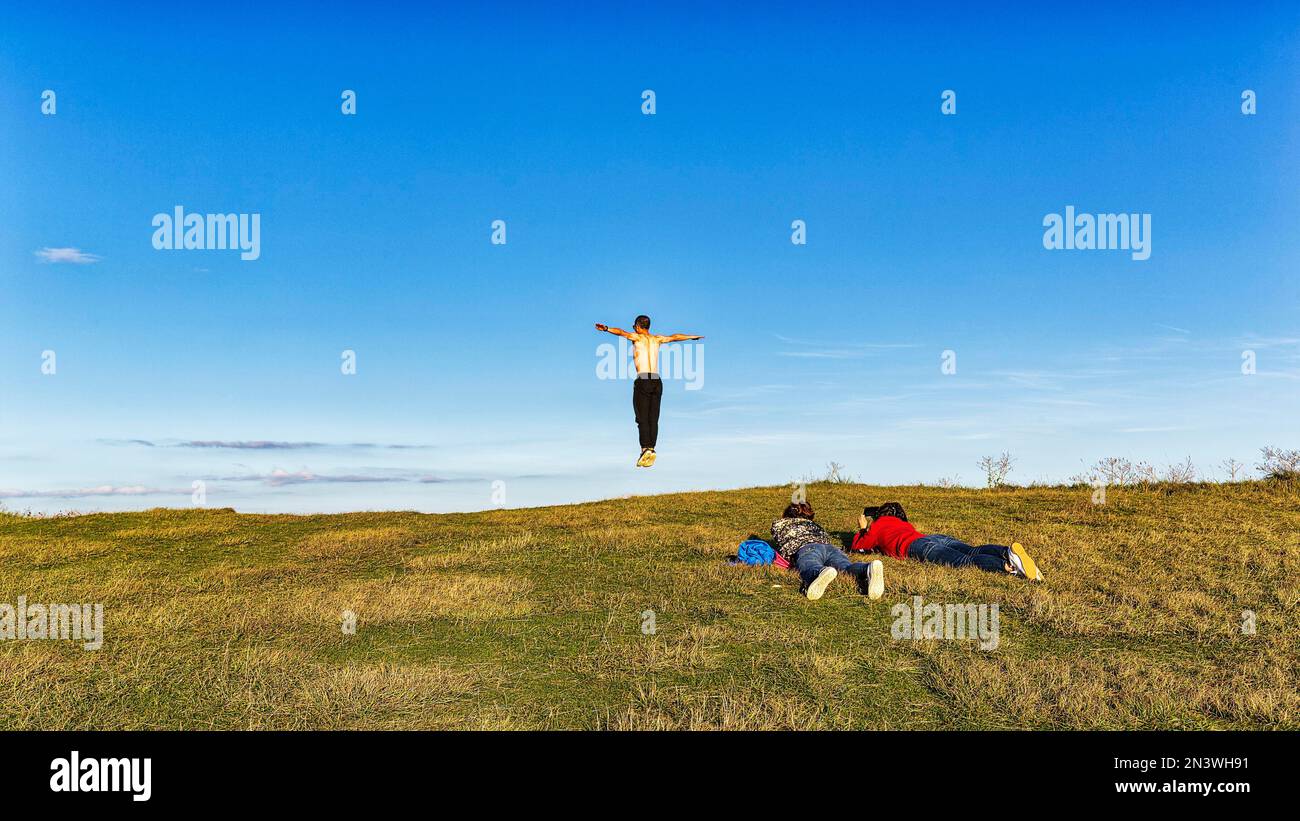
534	618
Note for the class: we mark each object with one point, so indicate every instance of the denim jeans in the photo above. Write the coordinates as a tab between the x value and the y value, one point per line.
940	549
813	558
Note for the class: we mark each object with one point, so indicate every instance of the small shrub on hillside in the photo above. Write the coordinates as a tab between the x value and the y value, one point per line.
996	468
1181	473
834	475
1232	468
1146	473
1279	464
1115	471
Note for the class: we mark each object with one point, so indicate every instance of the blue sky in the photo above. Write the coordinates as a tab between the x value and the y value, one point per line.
477	362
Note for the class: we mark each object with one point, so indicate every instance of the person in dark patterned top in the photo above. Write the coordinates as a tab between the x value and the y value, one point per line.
795	529
807	547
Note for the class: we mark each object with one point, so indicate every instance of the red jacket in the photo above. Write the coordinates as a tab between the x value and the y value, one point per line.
888	534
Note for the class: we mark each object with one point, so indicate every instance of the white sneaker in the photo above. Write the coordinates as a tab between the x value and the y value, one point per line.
819	584
874	587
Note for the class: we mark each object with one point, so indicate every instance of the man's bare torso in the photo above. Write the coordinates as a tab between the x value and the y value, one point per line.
645	351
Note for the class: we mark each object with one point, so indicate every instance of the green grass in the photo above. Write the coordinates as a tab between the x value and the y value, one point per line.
532	618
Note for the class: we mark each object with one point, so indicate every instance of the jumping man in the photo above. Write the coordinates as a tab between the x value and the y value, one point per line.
648	389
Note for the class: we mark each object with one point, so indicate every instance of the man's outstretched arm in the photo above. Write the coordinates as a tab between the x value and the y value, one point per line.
681	338
614	331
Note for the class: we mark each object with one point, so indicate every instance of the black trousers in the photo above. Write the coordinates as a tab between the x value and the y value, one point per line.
647	392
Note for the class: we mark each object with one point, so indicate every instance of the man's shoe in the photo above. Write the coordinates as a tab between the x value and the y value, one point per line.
649	457
872	583
640	460
1023	563
819	584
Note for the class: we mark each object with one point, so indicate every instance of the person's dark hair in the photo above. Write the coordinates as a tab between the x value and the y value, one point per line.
887	509
798	510
642	322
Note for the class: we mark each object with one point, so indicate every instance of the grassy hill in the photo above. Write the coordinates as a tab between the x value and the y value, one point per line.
533	618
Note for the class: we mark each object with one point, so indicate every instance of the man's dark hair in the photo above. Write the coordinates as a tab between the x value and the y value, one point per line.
642	322
798	510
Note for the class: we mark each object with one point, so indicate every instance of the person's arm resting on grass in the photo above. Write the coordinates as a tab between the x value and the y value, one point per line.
862	543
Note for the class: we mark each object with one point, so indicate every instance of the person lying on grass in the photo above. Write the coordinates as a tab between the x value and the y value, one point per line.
807	548
885	529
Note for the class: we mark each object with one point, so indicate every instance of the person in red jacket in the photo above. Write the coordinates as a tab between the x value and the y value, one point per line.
894	536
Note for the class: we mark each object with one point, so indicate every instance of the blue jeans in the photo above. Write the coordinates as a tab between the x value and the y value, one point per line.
940	549
813	558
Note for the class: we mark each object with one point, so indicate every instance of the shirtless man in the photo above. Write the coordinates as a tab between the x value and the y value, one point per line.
648	389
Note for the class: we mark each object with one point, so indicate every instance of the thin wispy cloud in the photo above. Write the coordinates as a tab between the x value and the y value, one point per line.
1044	379
837	350
727	411
840	354
1268	341
256	444
1067	403
865	345
1156	429
76	256
81	493
279	477
875	404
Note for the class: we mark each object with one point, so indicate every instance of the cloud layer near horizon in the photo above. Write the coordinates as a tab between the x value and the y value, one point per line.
256	444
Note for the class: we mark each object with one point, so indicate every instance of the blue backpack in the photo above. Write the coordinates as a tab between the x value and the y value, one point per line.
755	551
